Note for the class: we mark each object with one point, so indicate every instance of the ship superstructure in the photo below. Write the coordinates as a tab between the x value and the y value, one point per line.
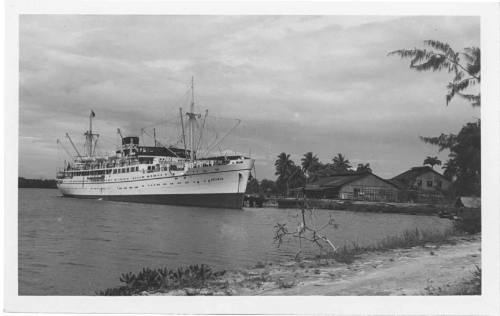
159	174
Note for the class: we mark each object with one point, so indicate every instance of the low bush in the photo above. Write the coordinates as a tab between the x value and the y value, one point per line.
194	276
473	285
470	224
345	255
410	238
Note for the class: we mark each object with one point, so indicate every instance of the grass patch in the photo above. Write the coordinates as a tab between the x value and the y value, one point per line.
411	238
470	286
162	279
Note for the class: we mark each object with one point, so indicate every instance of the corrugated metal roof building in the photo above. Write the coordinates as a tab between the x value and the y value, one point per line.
355	186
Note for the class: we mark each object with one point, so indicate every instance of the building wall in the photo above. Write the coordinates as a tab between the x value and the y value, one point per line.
431	181
368	188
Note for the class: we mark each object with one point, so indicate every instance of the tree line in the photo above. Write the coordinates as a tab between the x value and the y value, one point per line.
36	183
291	175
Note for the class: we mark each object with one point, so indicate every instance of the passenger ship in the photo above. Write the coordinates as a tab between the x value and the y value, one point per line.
164	175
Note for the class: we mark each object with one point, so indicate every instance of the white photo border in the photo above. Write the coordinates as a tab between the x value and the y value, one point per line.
485	304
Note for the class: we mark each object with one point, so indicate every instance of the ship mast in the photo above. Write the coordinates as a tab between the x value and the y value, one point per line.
154	135
89	136
192	121
121	141
183	134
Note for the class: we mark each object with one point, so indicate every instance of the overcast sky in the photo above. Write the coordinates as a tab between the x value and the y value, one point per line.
298	83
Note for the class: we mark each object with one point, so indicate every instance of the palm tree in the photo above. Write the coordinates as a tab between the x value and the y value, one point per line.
432	161
284	166
364	167
341	164
297	178
309	163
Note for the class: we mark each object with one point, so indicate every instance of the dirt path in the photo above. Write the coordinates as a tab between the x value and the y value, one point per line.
417	271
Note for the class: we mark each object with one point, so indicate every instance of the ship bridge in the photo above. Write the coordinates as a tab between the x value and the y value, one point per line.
131	147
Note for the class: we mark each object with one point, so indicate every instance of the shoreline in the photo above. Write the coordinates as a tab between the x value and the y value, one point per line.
430	269
446	267
430	209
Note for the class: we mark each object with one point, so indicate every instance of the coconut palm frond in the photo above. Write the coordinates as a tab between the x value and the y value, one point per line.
405	53
458	87
433	62
473	57
475	100
439	56
440	46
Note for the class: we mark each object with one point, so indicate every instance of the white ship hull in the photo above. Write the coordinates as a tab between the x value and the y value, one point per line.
212	186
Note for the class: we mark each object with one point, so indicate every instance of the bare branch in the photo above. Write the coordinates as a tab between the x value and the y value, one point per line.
305	231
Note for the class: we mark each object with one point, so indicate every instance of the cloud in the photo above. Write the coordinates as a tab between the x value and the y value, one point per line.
299	83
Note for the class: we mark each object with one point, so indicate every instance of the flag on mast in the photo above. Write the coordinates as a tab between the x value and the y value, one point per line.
92	113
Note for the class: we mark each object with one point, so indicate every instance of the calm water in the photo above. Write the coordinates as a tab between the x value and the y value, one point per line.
75	247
